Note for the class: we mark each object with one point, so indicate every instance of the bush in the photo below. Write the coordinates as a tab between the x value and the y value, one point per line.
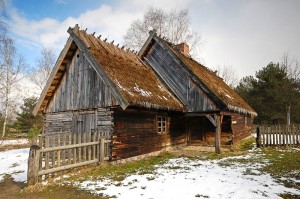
34	131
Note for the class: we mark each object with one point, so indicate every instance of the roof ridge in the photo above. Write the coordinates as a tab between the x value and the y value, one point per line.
174	46
123	47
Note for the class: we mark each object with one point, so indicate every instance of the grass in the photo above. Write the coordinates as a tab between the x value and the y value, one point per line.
281	162
240	148
121	171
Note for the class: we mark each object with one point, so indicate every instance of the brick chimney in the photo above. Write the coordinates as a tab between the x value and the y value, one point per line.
184	48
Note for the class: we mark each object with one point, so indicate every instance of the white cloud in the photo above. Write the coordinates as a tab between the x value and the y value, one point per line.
246	34
109	20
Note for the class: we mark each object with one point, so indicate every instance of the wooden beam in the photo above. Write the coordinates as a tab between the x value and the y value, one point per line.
152	33
212	120
218	134
204	113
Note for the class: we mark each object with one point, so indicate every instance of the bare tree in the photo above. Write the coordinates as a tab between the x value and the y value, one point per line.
228	74
290	66
175	25
11	66
44	65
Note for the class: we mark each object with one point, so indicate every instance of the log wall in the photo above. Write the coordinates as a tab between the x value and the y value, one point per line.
81	88
100	119
135	132
241	127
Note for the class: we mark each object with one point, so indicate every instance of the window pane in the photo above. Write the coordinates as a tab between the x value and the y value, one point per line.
161	124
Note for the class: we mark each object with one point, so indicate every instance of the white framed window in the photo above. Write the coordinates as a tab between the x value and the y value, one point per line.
161	124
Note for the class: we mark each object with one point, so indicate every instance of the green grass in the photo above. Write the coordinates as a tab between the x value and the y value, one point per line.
284	165
121	171
278	162
282	162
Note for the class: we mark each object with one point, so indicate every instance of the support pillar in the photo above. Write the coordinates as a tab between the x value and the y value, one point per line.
218	133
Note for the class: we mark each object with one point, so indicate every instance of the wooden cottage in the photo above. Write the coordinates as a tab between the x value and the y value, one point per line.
147	102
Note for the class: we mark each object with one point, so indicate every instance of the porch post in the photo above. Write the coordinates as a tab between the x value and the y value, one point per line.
218	133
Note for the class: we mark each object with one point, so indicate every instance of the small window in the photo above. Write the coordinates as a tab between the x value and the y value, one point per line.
247	120
161	124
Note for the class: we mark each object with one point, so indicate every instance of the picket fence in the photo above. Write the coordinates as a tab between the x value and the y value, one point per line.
56	153
278	135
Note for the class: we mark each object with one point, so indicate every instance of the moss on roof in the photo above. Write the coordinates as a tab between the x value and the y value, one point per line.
135	81
215	84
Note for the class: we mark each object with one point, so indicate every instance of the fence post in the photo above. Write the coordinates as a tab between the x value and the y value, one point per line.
258	138
33	165
101	151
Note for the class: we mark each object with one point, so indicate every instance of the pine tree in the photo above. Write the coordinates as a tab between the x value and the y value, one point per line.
26	120
270	94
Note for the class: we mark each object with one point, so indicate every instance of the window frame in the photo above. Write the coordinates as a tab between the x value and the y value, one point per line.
162	124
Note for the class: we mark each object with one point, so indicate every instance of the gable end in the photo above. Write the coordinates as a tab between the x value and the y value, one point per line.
122	101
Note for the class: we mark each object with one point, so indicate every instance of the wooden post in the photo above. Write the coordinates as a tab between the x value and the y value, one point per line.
33	165
262	132
101	151
53	159
258	138
41	145
63	160
75	149
218	134
280	135
89	147
70	150
79	148
84	148
46	155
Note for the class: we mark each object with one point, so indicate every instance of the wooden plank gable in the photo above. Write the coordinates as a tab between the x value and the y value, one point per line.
178	79
81	88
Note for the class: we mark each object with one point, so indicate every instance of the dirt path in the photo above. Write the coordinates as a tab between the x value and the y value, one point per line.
194	150
10	189
13	190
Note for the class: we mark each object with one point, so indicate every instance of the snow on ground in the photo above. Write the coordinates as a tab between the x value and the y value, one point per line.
186	178
14	163
13	142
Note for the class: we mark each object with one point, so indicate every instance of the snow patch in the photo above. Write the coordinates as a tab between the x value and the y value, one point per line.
15	163
185	178
141	91
228	96
123	88
13	142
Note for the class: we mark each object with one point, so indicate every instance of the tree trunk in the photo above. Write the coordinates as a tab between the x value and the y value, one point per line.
6	87
5	121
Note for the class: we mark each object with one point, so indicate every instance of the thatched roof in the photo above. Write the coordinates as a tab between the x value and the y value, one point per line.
215	84
212	84
133	81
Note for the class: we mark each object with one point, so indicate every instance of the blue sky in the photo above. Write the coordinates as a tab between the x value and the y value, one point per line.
246	35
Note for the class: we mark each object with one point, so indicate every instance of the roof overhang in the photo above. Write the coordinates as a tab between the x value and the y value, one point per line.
55	76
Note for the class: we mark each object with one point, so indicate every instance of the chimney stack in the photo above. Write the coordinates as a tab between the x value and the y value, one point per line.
184	48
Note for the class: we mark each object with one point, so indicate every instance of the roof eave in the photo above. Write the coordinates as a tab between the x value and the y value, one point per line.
241	110
54	71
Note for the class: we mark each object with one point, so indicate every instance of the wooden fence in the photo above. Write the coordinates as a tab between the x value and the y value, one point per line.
278	135
56	153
